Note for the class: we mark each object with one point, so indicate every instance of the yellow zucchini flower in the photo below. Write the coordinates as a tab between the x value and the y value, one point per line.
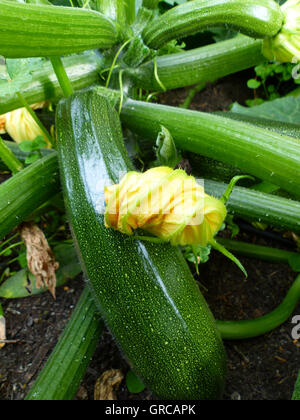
166	203
20	125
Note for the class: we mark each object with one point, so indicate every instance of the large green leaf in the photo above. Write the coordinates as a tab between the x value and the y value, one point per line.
285	109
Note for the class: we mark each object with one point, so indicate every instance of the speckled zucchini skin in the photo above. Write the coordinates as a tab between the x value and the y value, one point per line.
34	30
256	18
145	292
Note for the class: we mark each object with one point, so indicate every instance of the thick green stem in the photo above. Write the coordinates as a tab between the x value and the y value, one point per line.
262	153
260	207
8	157
239	330
257	251
256	18
64	370
62	76
205	64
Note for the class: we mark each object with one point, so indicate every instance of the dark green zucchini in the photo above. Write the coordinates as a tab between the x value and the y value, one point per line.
145	292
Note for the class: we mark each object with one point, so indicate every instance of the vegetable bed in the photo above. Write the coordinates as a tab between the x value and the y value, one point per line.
114	329
268	362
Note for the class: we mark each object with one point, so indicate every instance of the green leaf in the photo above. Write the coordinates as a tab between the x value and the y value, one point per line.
134	384
166	151
31	158
285	109
253	84
26	146
17	72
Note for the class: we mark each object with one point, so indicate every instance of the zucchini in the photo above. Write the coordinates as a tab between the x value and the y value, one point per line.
30	30
61	376
145	292
82	70
259	207
265	154
284	128
256	18
23	193
204	64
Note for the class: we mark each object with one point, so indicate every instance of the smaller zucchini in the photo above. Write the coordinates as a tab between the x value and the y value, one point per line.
255	18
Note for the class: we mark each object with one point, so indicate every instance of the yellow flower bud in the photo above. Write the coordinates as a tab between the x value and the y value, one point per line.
167	203
20	125
285	46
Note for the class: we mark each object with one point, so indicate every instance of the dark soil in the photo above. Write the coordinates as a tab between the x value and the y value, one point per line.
264	368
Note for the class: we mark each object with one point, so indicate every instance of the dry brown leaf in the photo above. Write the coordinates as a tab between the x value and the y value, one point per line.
40	258
107	384
2	331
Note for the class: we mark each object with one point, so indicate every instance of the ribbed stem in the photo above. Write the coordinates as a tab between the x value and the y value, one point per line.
8	157
62	76
260	152
257	251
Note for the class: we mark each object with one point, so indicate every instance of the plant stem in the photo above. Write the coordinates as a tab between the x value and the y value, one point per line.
62	76
191	95
11	247
35	117
257	251
9	158
239	330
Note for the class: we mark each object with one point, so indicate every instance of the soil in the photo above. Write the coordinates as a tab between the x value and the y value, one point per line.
263	368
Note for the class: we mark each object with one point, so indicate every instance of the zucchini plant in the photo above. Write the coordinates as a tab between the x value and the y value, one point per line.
108	58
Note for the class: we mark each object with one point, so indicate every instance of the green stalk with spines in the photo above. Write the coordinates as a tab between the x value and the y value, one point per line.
256	18
256	206
259	152
261	252
9	159
61	376
30	30
204	64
